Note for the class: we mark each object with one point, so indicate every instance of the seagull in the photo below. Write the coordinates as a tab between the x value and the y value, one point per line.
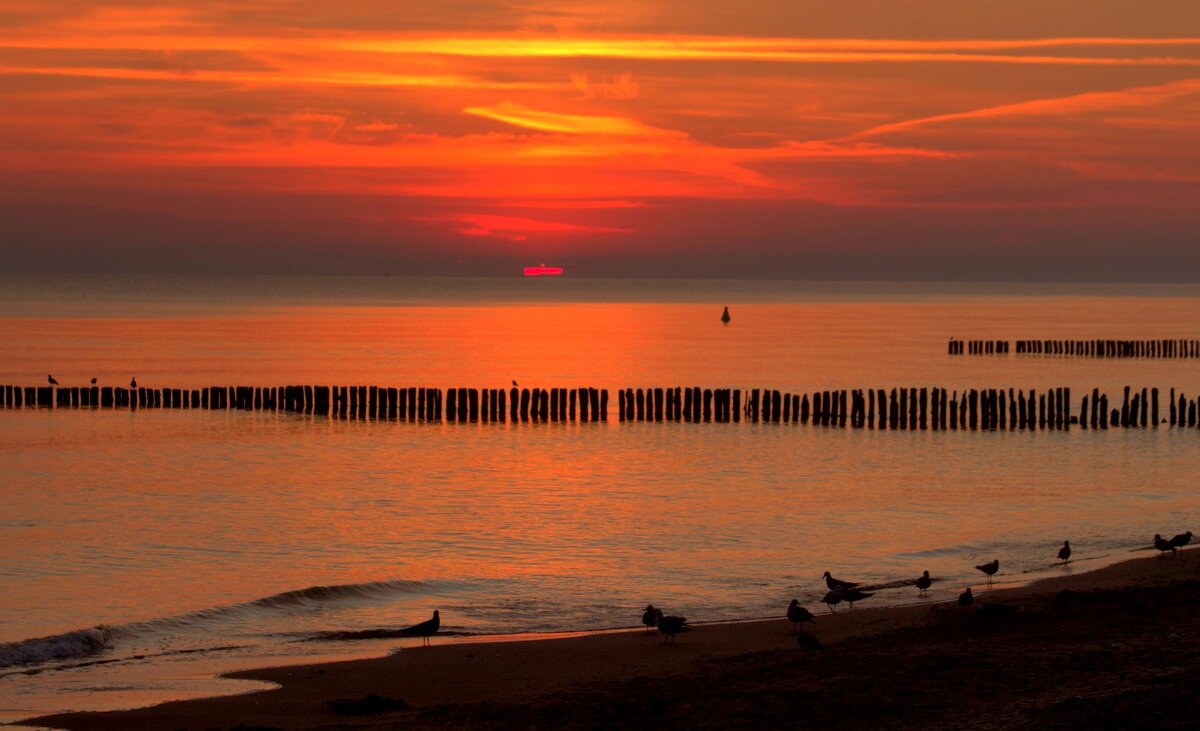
725	315
834	597
133	382
855	595
990	569
807	641
93	381
797	614
923	584
514	382
966	598
53	381
1064	553
1163	545
833	583
650	617
1182	539
671	625
424	629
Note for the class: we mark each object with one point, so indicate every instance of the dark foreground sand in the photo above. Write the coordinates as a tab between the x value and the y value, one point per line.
1120	649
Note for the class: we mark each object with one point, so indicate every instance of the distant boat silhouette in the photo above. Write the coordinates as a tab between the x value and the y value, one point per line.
1163	545
833	583
543	270
725	315
990	569
1064	553
797	614
671	625
424	629
650	617
52	379
923	583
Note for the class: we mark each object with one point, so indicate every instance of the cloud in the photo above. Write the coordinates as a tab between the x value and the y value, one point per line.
517	228
1142	96
623	87
574	124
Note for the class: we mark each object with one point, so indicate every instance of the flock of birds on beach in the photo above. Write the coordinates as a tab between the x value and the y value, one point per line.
670	625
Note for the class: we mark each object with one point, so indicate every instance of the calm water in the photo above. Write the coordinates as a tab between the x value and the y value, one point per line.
155	548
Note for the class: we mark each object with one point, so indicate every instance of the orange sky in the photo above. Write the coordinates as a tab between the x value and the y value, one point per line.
936	139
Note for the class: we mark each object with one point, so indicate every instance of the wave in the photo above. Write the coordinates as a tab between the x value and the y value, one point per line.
78	643
83	642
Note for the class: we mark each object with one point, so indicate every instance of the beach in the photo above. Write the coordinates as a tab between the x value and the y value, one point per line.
1113	647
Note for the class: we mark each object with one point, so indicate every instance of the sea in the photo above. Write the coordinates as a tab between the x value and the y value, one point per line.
143	553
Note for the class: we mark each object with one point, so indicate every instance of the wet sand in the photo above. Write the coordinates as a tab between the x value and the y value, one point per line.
1117	647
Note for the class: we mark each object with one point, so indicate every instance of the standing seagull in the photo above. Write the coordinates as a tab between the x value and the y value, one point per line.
855	595
133	383
1064	553
725	315
671	625
923	584
966	598
53	381
1163	545
834	597
990	569
797	614
833	583
424	629
93	381
650	617
1182	539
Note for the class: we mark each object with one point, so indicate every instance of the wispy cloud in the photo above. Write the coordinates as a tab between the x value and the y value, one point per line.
1142	96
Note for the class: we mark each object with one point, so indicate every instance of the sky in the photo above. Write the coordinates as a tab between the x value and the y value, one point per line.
1047	140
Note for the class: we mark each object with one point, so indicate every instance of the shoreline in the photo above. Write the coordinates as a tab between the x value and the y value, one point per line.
524	673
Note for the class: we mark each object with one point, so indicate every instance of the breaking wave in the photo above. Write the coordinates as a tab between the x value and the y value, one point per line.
84	642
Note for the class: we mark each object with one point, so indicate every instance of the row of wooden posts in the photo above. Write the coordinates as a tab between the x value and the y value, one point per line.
1167	348
895	408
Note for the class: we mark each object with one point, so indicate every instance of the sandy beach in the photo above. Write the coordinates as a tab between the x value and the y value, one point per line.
1113	647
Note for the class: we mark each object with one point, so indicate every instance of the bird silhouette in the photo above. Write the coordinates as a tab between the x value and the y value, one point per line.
833	583
807	641
671	625
514	382
725	315
990	569
53	381
424	629
923	584
133	382
797	614
650	617
1182	539
966	598
855	595
1163	545
1064	553
93	381
834	597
